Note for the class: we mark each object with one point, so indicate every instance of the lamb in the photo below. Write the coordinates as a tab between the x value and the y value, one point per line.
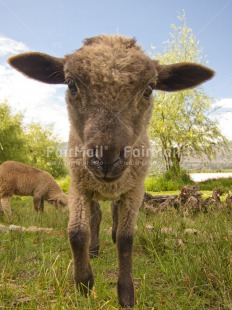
109	99
20	179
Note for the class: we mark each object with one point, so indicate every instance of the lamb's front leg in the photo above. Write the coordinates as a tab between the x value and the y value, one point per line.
5	205
79	237
127	213
95	222
37	201
114	213
41	206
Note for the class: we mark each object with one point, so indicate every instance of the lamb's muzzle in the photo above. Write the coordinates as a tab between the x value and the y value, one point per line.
107	164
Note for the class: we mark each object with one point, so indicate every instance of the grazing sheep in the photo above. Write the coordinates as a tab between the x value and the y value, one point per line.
110	82
20	179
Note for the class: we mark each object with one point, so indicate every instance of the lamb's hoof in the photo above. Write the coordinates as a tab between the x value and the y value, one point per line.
126	295
85	286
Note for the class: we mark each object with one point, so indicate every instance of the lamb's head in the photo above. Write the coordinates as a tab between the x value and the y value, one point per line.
59	200
110	81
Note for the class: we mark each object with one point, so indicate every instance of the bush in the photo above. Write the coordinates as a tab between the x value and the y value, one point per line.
159	184
223	183
178	175
64	183
169	181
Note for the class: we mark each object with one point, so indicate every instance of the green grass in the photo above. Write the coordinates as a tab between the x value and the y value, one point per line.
168	181
171	271
223	183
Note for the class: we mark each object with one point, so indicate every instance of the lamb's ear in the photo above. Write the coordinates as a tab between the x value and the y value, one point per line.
38	66
182	76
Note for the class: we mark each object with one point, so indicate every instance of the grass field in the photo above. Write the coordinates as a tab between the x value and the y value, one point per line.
173	269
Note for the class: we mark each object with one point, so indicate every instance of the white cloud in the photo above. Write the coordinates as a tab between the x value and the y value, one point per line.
224	116
9	46
39	102
225	103
225	124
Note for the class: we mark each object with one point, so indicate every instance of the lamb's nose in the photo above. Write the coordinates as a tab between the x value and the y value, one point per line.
107	156
107	167
107	162
111	159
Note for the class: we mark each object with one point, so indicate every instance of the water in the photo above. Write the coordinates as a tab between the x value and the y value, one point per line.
198	177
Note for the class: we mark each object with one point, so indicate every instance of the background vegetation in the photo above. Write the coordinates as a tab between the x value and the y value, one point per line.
180	125
30	144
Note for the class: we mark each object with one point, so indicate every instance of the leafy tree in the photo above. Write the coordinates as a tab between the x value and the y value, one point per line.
180	123
45	150
12	140
29	144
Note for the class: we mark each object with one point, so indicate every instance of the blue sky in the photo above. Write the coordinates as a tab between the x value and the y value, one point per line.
58	27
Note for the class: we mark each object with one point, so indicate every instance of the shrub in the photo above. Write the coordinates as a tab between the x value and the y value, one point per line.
171	180
64	183
223	183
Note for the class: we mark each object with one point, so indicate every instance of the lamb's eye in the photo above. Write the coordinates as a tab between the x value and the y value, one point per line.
72	86
148	91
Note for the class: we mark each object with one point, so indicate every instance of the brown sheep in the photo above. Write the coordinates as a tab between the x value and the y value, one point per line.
20	179
110	82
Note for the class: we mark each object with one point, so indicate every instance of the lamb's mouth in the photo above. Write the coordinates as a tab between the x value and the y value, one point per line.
107	179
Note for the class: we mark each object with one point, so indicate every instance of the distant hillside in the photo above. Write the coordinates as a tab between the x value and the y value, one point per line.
222	162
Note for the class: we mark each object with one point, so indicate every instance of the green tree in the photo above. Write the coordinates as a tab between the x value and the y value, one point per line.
180	122
31	144
12	139
45	149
